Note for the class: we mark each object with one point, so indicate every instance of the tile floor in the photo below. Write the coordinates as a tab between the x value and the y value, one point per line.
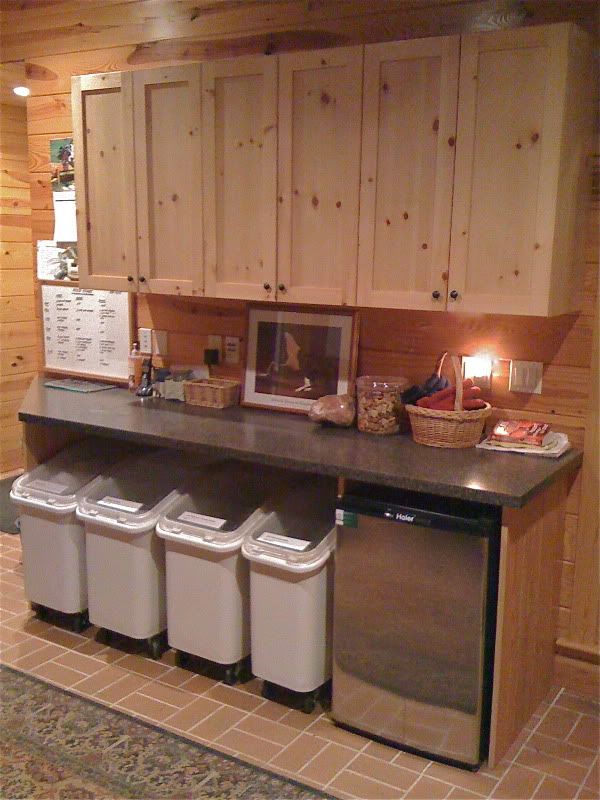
556	758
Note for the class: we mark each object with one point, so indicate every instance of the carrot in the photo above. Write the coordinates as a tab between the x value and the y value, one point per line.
472	405
472	393
444	405
442	394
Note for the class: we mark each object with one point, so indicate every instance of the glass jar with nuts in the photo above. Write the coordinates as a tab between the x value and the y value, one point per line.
379	408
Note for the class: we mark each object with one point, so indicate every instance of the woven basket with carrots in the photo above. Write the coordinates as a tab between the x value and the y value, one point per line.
453	417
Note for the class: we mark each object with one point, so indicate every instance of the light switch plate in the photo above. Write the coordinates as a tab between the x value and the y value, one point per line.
145	339
232	350
526	377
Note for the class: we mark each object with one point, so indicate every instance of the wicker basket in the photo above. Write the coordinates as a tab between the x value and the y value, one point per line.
456	428
212	392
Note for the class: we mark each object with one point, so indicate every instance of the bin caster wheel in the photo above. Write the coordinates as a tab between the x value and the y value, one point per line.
104	636
155	648
308	705
230	676
243	673
80	622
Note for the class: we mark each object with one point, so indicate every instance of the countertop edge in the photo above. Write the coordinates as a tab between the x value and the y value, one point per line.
354	473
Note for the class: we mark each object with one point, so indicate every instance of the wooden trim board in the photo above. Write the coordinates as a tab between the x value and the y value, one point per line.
527	610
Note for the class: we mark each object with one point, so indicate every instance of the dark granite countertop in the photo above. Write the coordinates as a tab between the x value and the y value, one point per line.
292	441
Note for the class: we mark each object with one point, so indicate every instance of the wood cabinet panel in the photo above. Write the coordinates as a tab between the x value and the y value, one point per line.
513	217
410	94
167	133
240	177
318	165
104	175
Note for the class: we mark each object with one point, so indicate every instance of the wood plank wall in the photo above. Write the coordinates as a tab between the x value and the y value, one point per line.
19	340
397	342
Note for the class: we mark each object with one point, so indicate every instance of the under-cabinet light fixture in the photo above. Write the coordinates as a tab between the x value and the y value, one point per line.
479	368
22	91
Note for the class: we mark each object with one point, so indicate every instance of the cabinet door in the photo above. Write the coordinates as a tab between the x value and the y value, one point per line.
512	94
169	179
104	177
239	113
319	163
408	133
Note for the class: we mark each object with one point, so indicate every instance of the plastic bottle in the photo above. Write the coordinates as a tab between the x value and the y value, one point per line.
134	367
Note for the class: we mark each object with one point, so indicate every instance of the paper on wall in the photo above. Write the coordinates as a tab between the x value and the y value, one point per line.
65	220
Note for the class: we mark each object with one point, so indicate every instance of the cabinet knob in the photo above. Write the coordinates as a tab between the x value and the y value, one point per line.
454	294
267	287
281	287
142	279
436	295
130	278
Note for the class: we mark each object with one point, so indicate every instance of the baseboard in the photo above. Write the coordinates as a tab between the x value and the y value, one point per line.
578	651
577	676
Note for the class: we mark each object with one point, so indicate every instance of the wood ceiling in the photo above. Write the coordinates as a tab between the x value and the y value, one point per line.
33	28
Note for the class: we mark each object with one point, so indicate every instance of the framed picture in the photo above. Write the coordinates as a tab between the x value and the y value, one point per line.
295	357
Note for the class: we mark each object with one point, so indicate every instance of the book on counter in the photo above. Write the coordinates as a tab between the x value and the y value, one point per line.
526	436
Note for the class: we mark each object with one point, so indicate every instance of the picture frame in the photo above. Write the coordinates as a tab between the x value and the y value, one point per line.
295	355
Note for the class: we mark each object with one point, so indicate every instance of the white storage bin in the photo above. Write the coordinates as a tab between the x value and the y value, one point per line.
53	540
125	558
291	583
208	592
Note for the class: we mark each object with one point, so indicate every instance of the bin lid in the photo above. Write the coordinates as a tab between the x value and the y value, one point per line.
219	510
136	492
298	534
59	481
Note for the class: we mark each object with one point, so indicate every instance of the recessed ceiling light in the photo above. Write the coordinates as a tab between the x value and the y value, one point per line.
22	91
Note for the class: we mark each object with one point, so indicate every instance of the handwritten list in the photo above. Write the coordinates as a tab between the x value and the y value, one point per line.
86	330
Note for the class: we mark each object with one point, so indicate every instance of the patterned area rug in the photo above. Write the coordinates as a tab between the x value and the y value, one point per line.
57	746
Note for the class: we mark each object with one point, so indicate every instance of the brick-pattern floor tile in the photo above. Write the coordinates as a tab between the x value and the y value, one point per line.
145	706
365	788
233	697
555	789
192	714
427	789
518	783
294	757
326	764
586	733
388	773
558	723
551	766
249	745
267	729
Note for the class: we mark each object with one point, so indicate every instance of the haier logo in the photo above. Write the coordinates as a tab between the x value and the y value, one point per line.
405	517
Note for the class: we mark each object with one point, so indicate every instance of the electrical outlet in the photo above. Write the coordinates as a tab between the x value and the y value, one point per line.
232	350
526	377
145	339
215	342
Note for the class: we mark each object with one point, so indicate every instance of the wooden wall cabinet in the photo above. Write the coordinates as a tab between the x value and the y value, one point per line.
104	177
319	172
239	113
408	135
524	119
167	129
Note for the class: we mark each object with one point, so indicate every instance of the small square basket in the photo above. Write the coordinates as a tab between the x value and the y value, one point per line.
212	392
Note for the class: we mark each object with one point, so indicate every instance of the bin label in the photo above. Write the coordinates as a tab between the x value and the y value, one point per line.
346	518
204	521
283	541
120	505
47	486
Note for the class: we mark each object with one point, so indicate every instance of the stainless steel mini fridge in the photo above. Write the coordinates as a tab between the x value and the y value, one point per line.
414	621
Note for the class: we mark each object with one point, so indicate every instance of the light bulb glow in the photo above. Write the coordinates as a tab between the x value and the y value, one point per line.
22	91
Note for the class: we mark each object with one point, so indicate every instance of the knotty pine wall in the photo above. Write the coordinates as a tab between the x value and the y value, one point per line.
19	340
401	342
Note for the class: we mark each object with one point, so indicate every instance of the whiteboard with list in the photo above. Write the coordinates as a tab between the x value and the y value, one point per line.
86	331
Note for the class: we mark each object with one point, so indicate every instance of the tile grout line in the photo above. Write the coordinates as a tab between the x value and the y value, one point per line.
585	780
